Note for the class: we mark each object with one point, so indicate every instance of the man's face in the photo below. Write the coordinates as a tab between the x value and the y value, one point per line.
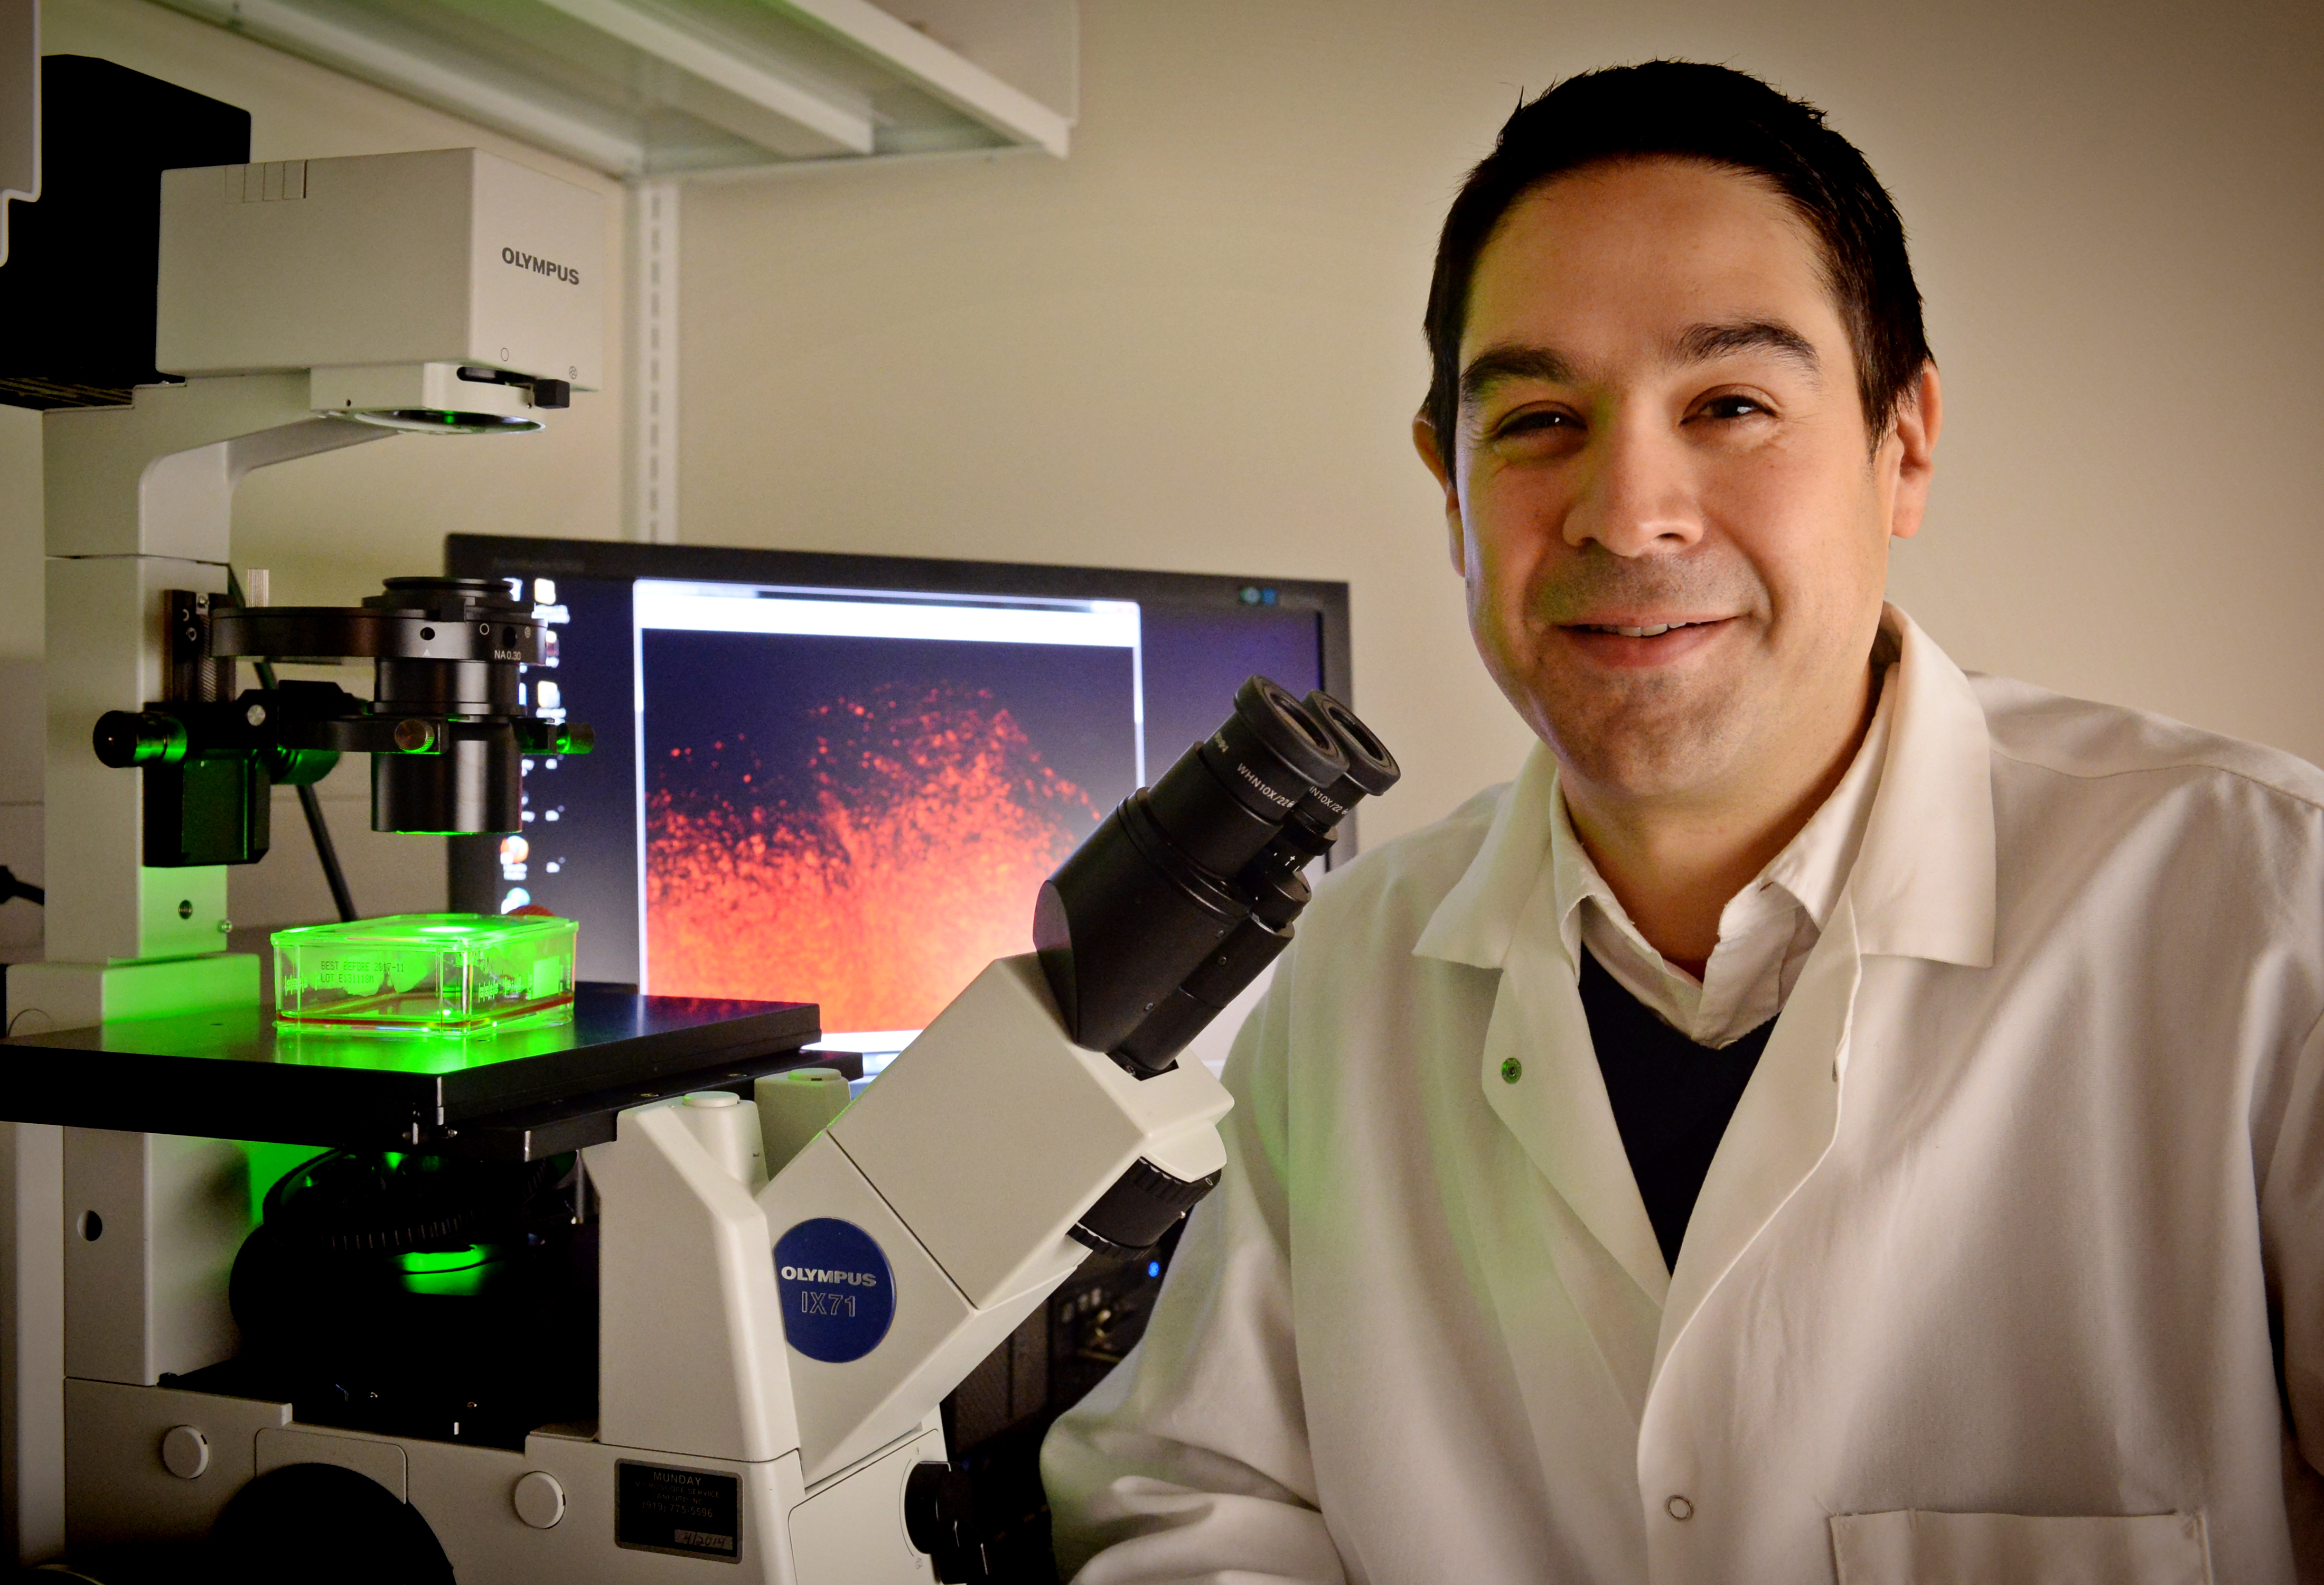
1660	430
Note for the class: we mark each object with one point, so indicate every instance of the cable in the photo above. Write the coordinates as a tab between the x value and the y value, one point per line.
10	886
326	852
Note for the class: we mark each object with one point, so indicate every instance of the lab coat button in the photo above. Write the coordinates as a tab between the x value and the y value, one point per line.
1678	1508
1511	1071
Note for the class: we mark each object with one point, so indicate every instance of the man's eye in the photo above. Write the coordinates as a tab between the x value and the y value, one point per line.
1733	407
1534	422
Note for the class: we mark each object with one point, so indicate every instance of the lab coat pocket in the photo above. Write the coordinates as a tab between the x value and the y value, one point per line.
1911	1547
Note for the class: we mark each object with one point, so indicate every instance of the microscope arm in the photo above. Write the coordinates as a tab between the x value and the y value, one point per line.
985	1164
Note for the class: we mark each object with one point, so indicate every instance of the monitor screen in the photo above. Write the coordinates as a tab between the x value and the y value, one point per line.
843	779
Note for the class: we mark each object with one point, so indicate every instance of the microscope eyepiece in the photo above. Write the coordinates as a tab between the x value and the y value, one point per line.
1189	889
1227	796
1371	767
1270	749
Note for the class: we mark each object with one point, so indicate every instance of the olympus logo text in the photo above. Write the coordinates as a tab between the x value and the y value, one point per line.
541	266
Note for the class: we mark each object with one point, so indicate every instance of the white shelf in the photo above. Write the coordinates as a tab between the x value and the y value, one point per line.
672	88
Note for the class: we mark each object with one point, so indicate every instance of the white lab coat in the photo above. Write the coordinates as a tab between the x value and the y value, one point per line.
1980	1284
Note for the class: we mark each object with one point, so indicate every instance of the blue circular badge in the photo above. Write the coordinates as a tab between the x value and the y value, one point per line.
838	1294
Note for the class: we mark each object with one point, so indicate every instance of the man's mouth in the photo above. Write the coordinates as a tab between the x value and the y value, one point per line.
1648	630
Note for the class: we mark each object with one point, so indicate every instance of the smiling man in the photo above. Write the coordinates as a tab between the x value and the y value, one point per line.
1829	1118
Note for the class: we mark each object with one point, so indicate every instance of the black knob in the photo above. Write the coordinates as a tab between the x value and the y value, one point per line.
134	738
939	1516
552	393
1139	1208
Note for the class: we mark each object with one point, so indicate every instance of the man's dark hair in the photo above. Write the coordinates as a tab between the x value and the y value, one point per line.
1682	109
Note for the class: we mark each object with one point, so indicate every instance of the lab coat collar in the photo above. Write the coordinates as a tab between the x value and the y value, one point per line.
1923	884
1478	919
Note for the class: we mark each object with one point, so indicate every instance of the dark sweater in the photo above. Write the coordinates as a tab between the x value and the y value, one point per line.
1671	1098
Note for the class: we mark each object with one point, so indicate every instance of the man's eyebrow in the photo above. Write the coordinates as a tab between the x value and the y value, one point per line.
1702	343
1511	361
1696	344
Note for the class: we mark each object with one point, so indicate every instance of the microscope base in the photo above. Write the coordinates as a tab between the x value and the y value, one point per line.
567	1508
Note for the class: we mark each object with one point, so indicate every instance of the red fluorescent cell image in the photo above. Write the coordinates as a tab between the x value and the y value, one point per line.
870	853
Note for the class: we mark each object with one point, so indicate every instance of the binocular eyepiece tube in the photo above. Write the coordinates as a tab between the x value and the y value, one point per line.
1190	888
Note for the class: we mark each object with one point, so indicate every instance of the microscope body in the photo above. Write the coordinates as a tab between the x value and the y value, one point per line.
787	1290
772	1351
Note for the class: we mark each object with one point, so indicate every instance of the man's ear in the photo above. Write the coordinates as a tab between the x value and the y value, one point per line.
1425	441
1919	416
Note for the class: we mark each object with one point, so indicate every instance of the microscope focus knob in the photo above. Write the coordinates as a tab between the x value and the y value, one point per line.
939	1516
1141	1206
185	1451
538	1499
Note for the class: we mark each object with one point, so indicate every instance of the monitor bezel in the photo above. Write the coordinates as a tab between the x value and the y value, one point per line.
470	863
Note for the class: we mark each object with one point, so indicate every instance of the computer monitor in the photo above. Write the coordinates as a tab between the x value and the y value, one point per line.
842	779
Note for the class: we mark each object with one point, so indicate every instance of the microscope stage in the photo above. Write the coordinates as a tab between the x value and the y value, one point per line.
237	1073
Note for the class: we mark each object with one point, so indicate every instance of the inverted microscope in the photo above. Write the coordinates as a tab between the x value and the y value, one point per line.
627	1287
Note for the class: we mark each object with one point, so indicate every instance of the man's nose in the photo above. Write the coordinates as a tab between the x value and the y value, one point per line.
1636	496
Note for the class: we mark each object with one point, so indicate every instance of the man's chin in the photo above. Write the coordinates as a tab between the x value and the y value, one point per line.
1642	754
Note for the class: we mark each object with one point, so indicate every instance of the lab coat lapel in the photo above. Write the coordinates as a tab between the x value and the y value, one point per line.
1557	1105
1781	1129
1502	916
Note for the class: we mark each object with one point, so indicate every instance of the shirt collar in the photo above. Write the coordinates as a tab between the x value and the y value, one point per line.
1922	879
1815	864
1574	879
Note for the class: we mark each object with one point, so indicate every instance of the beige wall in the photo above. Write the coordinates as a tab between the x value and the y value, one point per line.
1195	343
330	528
